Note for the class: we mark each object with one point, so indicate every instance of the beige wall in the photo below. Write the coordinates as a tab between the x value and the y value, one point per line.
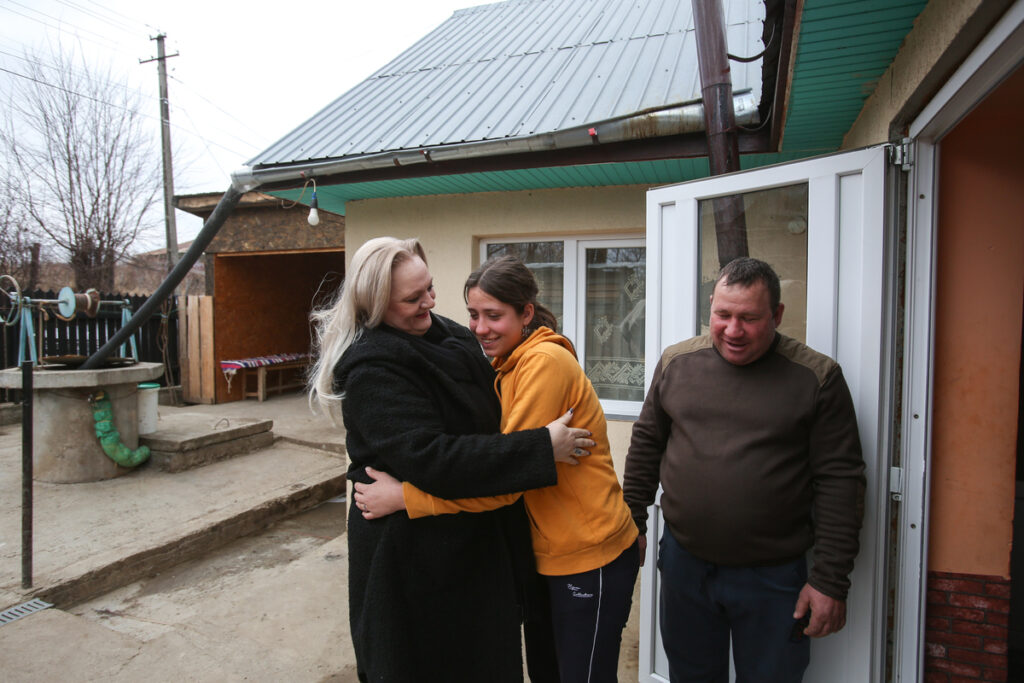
942	36
451	226
619	432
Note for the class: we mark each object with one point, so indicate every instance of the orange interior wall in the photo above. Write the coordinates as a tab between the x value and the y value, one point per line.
262	305
980	284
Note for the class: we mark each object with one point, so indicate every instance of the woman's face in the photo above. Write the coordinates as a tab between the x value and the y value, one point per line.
412	297
497	326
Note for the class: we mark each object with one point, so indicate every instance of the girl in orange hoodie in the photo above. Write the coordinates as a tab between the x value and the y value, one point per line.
584	538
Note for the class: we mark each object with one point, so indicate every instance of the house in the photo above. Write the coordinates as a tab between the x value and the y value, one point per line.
264	271
879	144
142	273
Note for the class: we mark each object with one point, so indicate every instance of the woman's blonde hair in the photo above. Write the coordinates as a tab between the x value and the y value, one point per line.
362	300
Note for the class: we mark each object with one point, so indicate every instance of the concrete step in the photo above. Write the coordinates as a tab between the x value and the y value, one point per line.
186	440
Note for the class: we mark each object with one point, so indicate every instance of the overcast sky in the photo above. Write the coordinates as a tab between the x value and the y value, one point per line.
247	72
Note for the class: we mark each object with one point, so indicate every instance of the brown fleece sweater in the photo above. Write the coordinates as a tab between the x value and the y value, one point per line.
757	463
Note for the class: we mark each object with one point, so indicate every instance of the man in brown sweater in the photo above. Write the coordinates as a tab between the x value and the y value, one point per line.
753	438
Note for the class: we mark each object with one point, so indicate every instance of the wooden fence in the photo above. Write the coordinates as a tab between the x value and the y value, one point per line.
198	365
83	336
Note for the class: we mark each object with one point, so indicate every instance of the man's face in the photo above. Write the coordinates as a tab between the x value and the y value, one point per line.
742	321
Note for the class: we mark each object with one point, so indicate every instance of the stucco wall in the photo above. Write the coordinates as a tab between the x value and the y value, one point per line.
980	288
451	227
943	35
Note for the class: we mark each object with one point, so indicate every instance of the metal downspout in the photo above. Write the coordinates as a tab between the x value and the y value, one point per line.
210	227
720	124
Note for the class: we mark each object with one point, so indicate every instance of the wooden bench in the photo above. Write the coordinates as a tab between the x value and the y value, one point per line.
275	366
278	371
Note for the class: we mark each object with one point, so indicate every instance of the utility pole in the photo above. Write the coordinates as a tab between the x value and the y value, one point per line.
165	129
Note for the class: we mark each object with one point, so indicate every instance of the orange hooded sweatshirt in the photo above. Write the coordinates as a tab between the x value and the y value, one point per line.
581	523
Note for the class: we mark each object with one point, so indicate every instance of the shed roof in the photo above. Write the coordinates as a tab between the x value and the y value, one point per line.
523	68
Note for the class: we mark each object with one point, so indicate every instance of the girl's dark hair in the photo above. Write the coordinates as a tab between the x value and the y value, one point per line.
508	280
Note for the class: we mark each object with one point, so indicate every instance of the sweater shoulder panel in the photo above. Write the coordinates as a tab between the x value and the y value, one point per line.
685	348
801	354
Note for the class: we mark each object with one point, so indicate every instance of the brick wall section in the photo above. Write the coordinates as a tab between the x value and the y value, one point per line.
966	628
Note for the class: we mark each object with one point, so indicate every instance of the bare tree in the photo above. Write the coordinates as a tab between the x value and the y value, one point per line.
16	240
84	162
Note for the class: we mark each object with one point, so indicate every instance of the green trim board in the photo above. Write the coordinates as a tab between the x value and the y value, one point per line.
663	172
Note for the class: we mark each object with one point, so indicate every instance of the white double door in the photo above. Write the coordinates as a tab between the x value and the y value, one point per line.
822	225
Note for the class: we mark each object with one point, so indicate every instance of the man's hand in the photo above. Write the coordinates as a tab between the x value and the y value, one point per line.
828	615
641	543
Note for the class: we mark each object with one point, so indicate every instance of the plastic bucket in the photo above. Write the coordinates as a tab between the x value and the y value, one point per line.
149	397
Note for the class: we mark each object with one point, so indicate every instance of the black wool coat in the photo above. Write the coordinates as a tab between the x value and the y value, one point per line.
434	598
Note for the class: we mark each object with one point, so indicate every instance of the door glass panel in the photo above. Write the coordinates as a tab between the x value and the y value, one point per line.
615	320
776	232
547	262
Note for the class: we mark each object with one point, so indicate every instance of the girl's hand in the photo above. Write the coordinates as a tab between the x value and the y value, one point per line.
567	442
380	498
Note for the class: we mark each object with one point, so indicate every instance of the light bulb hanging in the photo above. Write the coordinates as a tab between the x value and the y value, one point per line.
314	214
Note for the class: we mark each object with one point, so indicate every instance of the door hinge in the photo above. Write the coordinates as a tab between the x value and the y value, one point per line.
902	154
896	483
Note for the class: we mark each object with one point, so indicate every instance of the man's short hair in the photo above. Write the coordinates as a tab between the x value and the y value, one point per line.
746	272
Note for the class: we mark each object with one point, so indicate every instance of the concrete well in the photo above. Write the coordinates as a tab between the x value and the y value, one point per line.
65	449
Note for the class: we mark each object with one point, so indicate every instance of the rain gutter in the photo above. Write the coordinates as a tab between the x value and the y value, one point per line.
652	123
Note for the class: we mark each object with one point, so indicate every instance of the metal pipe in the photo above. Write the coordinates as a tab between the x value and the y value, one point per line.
26	474
720	124
674	120
177	274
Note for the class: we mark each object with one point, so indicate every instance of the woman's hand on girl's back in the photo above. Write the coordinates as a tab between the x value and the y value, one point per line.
380	498
569	443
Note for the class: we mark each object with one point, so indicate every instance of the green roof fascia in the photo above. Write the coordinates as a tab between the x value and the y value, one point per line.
663	172
844	48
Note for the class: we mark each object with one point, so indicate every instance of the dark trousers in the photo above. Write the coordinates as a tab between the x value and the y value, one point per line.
589	611
702	604
539	633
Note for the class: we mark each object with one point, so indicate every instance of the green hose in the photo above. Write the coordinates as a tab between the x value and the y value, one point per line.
110	438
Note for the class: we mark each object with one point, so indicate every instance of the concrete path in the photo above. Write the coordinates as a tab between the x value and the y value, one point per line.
267	607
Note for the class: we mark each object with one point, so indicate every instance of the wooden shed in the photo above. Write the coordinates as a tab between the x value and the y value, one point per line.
265	271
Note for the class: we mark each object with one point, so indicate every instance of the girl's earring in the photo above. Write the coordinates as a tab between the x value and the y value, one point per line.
526	331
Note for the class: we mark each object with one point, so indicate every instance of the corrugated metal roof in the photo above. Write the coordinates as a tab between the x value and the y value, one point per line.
521	68
844	46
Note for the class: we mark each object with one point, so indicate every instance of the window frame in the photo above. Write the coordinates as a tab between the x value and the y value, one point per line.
574	293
